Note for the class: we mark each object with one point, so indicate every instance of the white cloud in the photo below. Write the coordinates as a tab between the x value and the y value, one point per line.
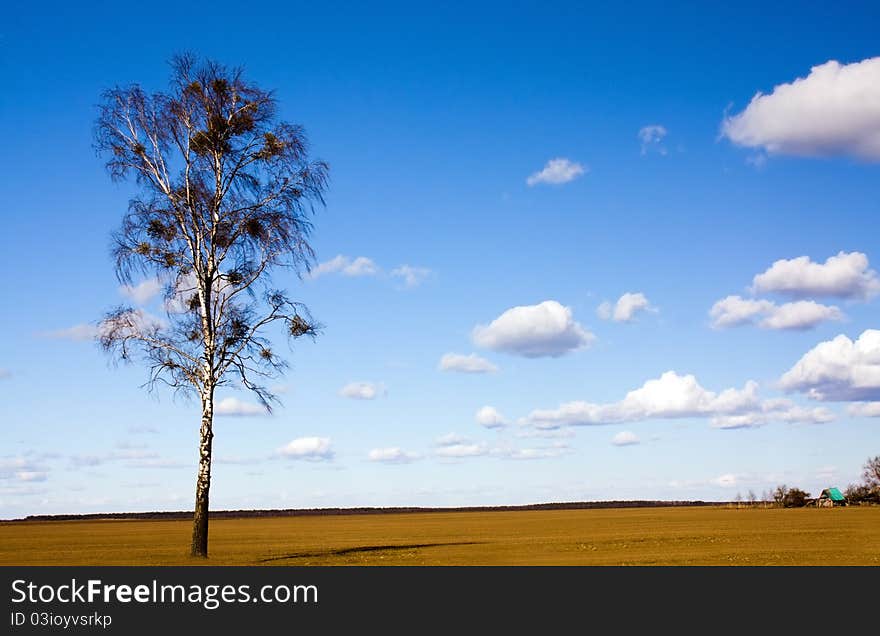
835	110
674	396
544	433
392	455
800	315
140	322
345	265
77	332
5	374
462	450
234	407
625	438
669	396
140	457
362	390
412	276
308	448
626	307
864	409
185	292
839	370
532	453
465	449
726	481
846	275
734	311
361	266
451	439
21	469
466	363
31	475
557	171
489	417
143	292
236	460
779	410
158	463
652	138
546	329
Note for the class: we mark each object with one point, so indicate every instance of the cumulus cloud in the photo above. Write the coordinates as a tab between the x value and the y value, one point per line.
362	390
626	307
466	363
557	171
800	315
308	448
234	407
779	410
392	455
143	292
846	275
547	452
489	417
669	396
652	138
451	439
839	370
546	329
456	451
139	321
411	276
347	266
674	396
735	311
864	409
835	110
625	438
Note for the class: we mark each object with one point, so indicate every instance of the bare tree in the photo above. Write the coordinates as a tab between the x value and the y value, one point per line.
780	494
226	196
752	498
871	473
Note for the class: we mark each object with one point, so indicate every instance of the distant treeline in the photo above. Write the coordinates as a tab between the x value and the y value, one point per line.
304	512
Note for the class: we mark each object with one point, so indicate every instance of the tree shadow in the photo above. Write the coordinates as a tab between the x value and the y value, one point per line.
366	548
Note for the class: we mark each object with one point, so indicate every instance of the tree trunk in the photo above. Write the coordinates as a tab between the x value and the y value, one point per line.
203	480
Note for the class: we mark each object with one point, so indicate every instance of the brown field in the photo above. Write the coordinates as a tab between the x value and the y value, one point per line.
655	536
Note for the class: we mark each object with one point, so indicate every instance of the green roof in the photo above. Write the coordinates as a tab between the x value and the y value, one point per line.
834	494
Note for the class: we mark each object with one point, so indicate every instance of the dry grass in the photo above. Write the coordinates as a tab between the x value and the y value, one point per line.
656	536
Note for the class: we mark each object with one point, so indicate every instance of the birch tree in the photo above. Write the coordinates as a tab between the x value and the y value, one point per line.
227	193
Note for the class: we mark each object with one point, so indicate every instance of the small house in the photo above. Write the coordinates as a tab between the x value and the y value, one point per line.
831	497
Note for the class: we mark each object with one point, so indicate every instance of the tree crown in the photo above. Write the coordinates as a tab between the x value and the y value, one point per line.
226	196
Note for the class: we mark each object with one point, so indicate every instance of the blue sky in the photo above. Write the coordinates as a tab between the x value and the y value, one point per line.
670	185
